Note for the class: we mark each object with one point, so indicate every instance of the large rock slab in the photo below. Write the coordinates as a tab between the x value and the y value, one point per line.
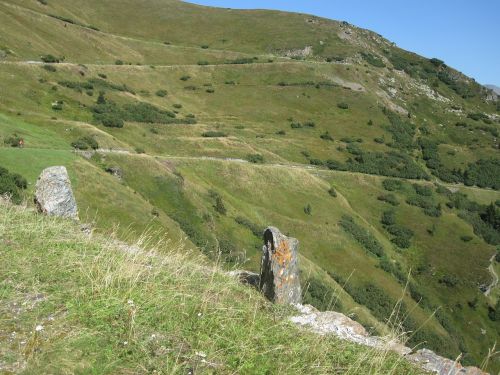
53	193
279	270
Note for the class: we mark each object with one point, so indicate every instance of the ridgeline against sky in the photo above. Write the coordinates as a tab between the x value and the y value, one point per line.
462	33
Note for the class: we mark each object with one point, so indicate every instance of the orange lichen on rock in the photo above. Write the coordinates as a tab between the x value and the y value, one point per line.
283	255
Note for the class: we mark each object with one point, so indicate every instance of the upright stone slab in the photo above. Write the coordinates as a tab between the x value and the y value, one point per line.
53	193
279	269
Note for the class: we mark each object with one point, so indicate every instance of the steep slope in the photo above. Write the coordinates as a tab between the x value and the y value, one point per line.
201	91
96	305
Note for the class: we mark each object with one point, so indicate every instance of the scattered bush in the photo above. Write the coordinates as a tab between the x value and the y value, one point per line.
203	62
308	209
388	218
466	238
389	198
319	295
392	185
326	136
255	158
12	184
85	143
449	280
254	228
50	59
332	192
13	140
423	190
373	60
364	237
49	68
161	93
185	78
214	134
343	105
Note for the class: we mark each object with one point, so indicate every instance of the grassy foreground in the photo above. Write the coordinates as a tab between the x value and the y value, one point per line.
74	304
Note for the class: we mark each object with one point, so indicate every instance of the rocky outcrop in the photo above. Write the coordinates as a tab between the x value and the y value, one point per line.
279	270
53	193
331	322
334	323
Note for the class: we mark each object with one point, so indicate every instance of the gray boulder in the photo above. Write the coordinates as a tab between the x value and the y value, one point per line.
53	193
279	270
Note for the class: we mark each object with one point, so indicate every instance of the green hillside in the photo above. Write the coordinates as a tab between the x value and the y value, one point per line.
218	122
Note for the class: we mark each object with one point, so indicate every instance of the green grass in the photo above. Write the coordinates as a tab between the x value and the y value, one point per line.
168	190
87	305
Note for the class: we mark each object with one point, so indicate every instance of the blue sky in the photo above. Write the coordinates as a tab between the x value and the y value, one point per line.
463	33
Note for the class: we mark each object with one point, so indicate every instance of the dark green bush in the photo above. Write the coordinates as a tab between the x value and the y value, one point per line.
343	105
50	59
13	140
364	237
402	236
449	280
308	209
319	295
373	60
161	93
388	218
85	143
255	158
466	238
49	68
214	134
392	185
326	136
423	190
389	198
332	192
12	184
185	78
254	228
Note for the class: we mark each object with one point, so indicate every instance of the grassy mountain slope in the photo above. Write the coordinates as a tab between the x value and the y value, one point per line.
200	90
94	305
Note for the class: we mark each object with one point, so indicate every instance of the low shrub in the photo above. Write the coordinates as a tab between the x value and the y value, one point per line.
466	238
254	228
362	236
85	143
343	105
13	140
49	68
332	192
255	158
161	93
308	209
389	198
51	59
326	136
214	134
12	185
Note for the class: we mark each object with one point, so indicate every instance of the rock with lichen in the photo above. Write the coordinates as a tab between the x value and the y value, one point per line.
279	273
